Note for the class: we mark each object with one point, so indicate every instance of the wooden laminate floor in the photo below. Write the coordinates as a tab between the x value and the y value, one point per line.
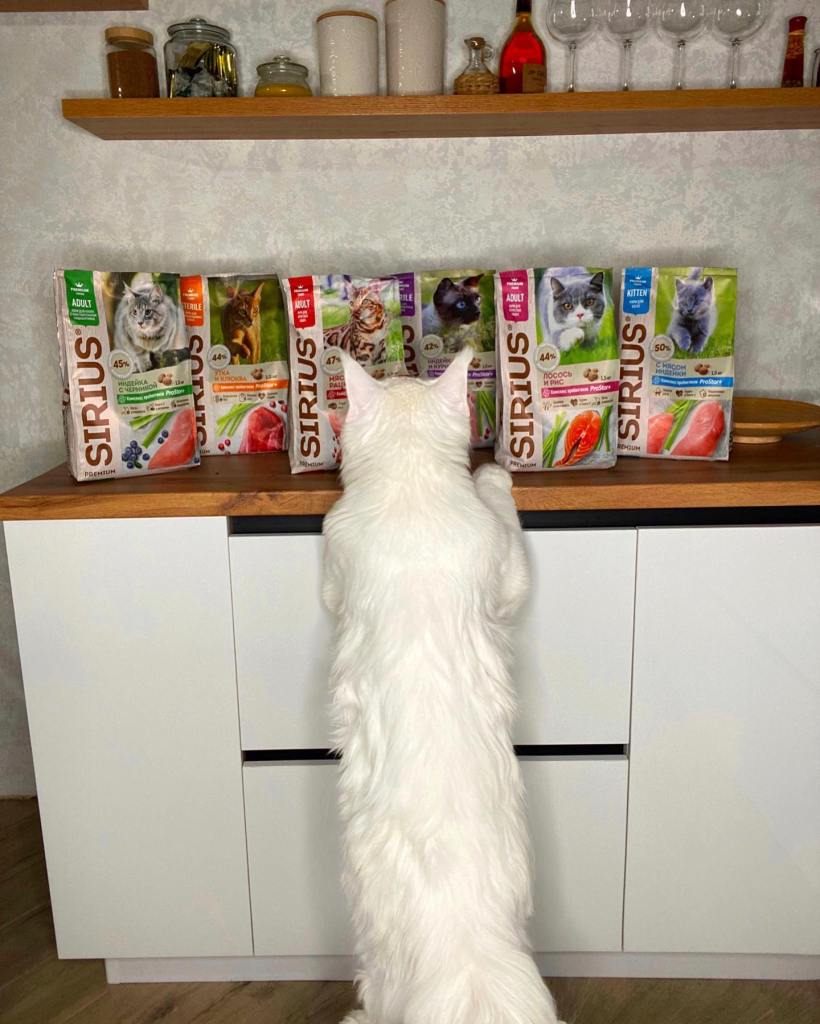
37	988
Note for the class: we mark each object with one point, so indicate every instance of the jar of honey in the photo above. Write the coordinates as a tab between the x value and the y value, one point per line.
282	77
132	63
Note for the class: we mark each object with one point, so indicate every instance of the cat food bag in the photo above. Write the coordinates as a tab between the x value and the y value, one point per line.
128	406
441	312
677	362
238	337
558	369
327	315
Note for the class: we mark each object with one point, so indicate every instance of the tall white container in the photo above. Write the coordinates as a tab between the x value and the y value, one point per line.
416	35
348	53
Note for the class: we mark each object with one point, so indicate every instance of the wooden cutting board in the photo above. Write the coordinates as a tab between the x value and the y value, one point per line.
768	420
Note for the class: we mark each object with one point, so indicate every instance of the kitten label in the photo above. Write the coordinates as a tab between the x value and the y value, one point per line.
637	289
82	305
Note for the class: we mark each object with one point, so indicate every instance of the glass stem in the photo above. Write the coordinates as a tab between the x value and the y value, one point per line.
626	66
681	63
572	48
734	63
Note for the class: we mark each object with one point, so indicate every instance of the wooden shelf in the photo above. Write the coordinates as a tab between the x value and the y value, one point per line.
384	117
758	476
61	6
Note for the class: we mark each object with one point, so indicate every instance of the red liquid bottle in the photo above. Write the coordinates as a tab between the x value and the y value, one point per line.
523	66
793	63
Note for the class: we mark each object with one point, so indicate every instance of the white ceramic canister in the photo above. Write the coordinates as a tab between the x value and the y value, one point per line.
416	35
348	53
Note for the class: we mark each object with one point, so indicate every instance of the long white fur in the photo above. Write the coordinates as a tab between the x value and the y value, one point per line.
425	569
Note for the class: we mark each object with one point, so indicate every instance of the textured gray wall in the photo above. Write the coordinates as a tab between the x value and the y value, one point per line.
748	200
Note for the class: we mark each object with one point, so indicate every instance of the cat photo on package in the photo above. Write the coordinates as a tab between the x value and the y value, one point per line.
443	312
677	362
126	368
327	315
238	335
558	368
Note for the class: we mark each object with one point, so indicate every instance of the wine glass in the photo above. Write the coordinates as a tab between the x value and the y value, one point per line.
681	20
570	22
736	20
627	20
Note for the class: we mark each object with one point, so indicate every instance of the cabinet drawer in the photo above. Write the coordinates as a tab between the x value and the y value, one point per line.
577	815
574	642
283	639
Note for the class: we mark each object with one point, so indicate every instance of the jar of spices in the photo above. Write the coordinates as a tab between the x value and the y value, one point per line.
132	63
200	60
282	77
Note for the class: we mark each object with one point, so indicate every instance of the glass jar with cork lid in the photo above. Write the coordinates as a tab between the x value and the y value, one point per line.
132	63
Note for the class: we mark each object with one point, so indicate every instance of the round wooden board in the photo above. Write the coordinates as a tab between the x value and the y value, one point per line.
768	420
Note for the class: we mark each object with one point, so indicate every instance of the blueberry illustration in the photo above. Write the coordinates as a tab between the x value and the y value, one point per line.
165	433
126	455
145	456
160	439
131	465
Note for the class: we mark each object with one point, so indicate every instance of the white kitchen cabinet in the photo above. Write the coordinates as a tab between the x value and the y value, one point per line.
284	641
574	642
294	859
724	804
577	814
126	644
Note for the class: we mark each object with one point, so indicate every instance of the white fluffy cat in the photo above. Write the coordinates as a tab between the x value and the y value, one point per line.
425	569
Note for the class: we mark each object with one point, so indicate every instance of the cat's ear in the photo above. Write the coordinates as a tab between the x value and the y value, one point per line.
596	282
557	287
230	291
707	283
680	284
472	282
451	386
258	292
362	390
444	285
128	290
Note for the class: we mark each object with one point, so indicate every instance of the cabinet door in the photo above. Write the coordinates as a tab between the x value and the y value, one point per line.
577	815
574	643
127	651
283	642
724	805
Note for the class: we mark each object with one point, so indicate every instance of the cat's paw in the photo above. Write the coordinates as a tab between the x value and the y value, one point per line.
571	336
357	1017
493	475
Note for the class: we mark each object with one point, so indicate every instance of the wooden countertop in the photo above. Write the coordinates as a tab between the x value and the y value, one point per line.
785	474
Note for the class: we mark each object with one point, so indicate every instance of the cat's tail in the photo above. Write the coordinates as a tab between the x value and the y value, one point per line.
499	987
